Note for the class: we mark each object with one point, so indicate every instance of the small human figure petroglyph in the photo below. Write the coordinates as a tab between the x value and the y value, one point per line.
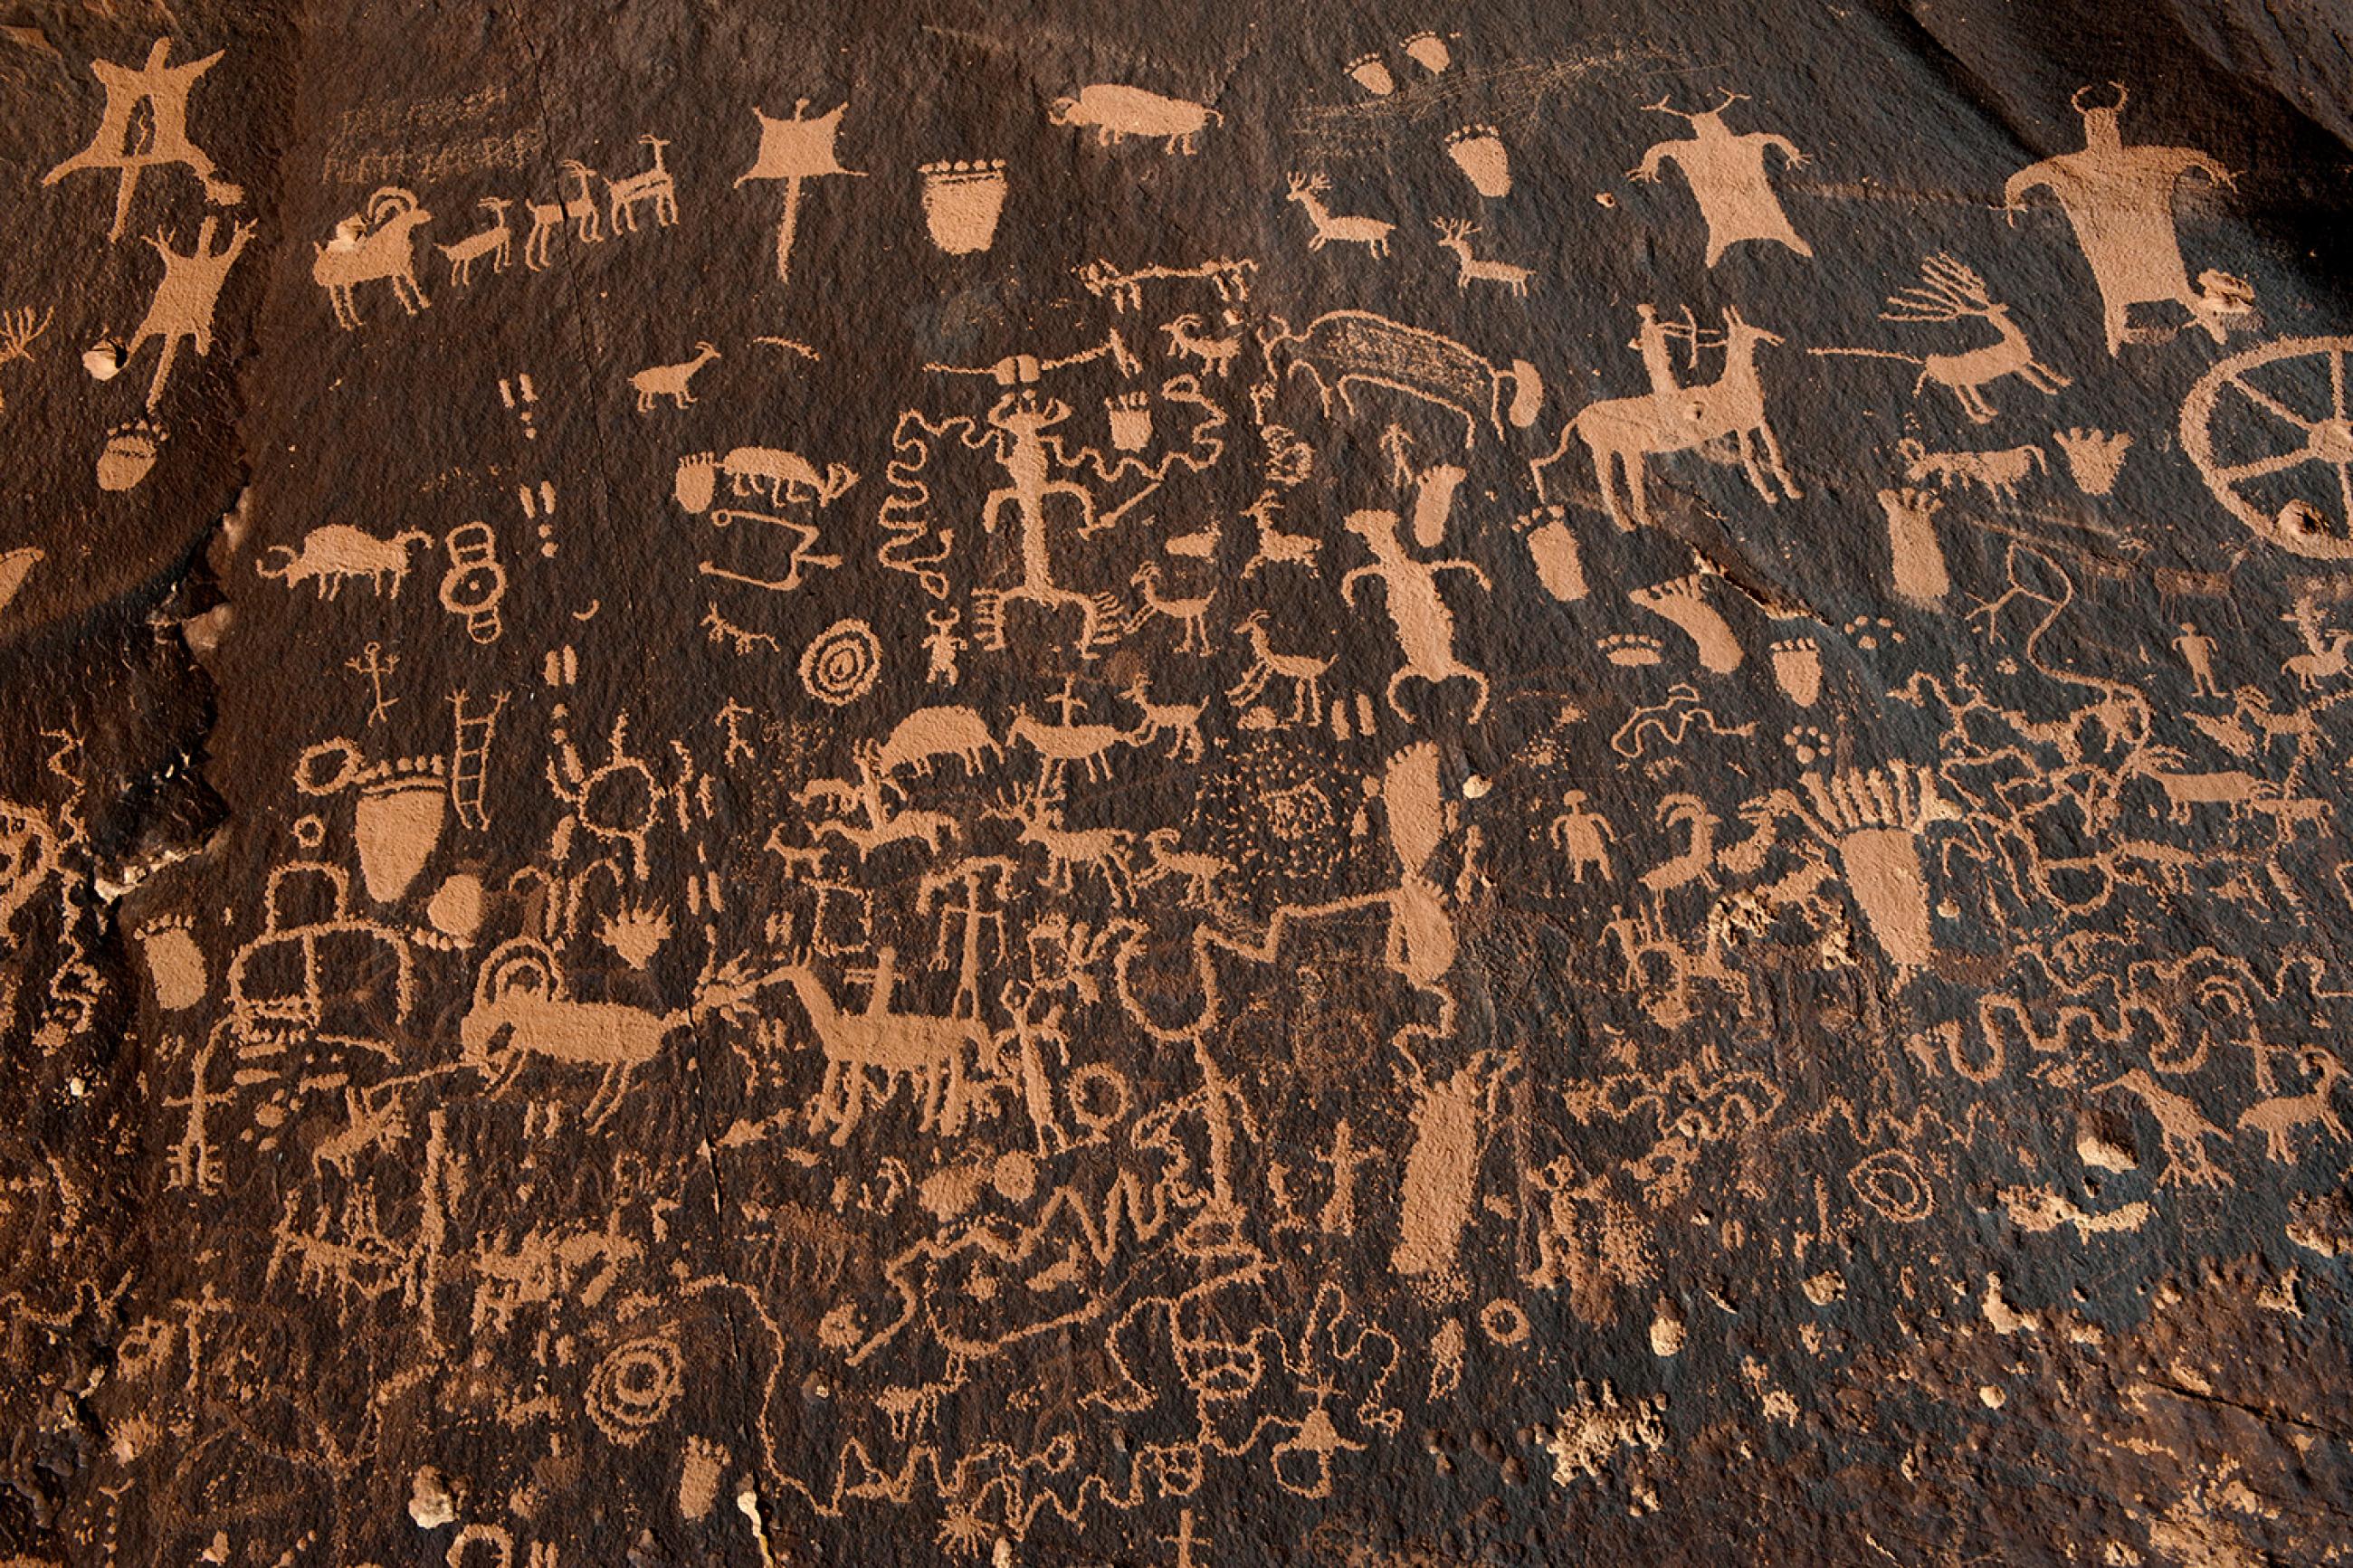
1583	835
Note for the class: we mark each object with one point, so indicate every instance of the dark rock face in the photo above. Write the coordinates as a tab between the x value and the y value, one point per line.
1335	787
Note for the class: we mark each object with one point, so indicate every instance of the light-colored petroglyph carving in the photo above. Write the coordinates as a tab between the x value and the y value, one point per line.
2094	457
2325	656
185	300
16	566
1105	852
1603	984
1215	355
1124	289
21	328
1276	548
521	1014
1423	620
936	1057
651	184
475	583
1552	546
1180	721
1305	671
1581	836
760	471
796	149
2300	497
397	819
376	246
1455	236
1192	614
1341	349
1950	291
962	201
2119	199
1683	602
2182	1128
1372	73
1115	112
336	554
841	663
144	125
1623	433
1997	474
1307	192
1725	170
129	454
674	381
494	239
578	208
1479	151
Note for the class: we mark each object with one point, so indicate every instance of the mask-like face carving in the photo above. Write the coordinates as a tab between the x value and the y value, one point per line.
28	853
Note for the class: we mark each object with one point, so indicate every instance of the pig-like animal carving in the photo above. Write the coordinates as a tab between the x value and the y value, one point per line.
334	554
782	473
1115	112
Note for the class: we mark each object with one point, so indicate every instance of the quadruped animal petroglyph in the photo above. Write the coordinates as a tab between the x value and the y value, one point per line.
1170	788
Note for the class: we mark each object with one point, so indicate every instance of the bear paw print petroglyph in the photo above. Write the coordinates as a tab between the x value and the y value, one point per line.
1870	631
1630	649
129	454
